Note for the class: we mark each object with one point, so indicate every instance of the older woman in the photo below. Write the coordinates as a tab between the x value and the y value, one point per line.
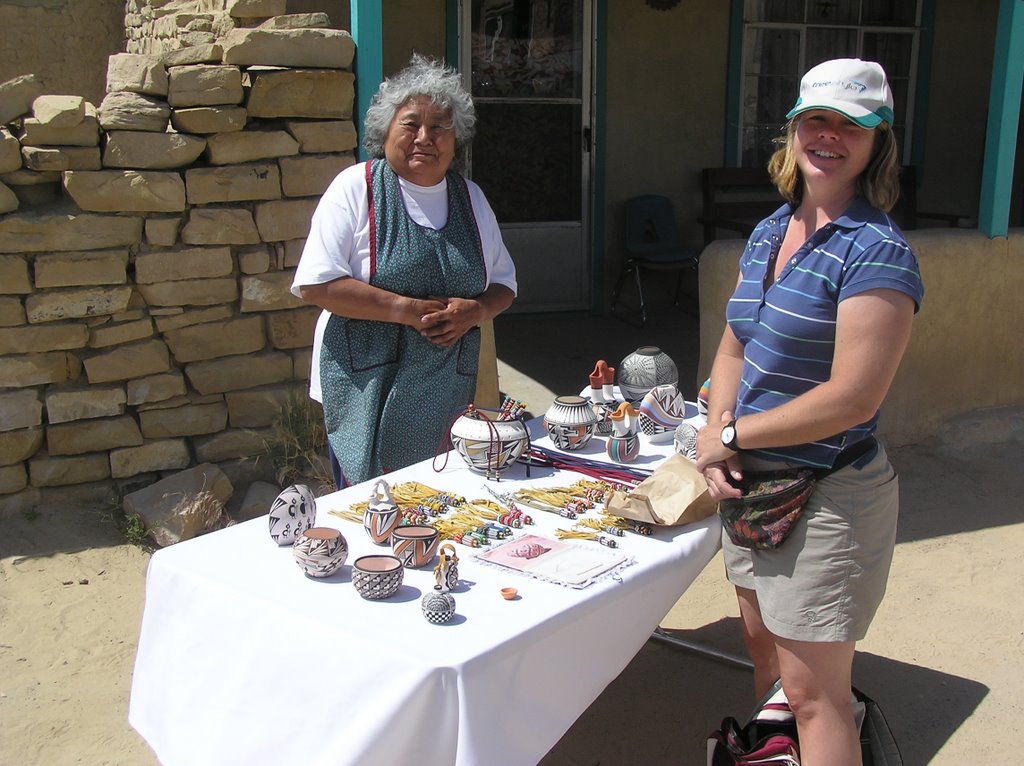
405	257
817	326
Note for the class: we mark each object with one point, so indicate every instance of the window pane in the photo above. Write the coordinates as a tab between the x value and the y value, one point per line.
824	43
889	13
758	145
773	10
833	11
894	52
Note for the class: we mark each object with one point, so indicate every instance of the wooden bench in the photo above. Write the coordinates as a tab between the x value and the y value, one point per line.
737	199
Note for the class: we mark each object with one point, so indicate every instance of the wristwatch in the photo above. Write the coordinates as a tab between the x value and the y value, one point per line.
729	436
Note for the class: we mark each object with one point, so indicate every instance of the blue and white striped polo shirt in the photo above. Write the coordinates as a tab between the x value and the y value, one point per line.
788	330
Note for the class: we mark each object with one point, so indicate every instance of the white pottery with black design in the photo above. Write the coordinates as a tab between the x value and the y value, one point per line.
377	576
662	410
438	607
292	513
320	551
382	514
570	422
685	441
644	369
488	445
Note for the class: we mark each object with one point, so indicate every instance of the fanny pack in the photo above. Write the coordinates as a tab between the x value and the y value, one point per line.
764	515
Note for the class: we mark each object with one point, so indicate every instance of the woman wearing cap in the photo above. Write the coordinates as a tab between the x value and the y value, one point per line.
405	257
817	325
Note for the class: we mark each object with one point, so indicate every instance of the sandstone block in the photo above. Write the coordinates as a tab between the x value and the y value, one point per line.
122	110
190	292
26	370
134	191
235	442
235	183
27	177
140	149
182	263
255	9
196	316
10	151
220	226
162	455
53	158
319	136
204	85
181	506
17	95
64	405
14	278
216	339
85	133
257	407
233	373
269	292
317	93
17	446
96	435
34	233
137	73
13	479
59	111
74	304
9	201
254	260
190	420
280	220
312	20
20	409
12	313
260	46
20	502
259	496
290	252
46	471
204	53
77	269
120	333
156	388
249	145
311	174
38	340
303	359
292	329
127	362
209	119
162	231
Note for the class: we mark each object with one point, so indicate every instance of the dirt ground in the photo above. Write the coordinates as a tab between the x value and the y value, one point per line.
943	658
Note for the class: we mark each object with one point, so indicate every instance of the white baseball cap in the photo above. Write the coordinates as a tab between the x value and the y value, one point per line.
854	88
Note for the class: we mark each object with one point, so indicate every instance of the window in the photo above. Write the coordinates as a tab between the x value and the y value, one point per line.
782	39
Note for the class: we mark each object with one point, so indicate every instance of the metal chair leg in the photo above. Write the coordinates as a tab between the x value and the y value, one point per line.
640	292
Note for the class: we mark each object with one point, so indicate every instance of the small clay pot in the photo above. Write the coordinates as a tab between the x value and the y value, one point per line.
509	593
415	544
377	576
438	607
320	551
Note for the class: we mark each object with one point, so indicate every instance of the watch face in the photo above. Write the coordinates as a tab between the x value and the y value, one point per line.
728	434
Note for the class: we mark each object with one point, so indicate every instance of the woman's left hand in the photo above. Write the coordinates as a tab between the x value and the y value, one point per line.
716	462
445	327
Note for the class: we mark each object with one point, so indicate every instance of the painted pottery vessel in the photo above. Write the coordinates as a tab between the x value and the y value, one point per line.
292	513
415	544
624	420
570	422
644	369
602	411
602	379
486	444
382	514
320	551
702	397
446	573
661	411
685	441
438	607
377	576
623	449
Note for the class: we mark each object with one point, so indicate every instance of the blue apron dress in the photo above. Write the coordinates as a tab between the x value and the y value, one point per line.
389	394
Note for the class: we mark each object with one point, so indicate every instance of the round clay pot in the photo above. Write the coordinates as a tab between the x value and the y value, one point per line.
570	422
685	441
488	445
415	544
320	551
438	607
623	449
292	513
377	576
644	369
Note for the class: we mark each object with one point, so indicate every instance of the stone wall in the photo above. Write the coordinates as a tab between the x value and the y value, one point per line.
147	245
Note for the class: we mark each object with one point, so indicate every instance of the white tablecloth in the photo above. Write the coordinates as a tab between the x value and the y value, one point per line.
243	659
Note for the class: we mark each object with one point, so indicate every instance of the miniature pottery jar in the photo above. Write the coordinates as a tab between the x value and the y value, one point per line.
377	576
570	422
644	369
320	551
446	573
623	449
685	441
415	544
437	607
292	513
661	411
488	445
382	515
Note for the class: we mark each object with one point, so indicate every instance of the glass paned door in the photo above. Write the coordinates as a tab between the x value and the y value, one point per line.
529	73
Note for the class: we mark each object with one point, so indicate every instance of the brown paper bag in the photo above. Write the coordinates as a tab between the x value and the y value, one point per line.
674	494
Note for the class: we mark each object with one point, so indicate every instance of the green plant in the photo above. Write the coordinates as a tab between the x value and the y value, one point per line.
298	447
131	526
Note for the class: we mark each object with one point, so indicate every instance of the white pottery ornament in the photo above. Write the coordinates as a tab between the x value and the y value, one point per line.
661	411
486	444
292	513
685	441
570	422
382	514
644	369
320	551
446	573
438	607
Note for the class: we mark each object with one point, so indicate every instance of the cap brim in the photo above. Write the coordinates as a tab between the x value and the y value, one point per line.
861	117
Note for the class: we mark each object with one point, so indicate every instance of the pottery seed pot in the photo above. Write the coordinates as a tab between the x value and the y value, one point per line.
644	369
320	551
292	513
438	607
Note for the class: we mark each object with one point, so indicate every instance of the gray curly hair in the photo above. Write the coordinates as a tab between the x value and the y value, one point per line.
422	77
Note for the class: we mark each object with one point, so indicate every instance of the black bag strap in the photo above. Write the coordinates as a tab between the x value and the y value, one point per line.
877	744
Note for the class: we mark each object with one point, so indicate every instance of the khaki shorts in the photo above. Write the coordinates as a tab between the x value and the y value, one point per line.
825	582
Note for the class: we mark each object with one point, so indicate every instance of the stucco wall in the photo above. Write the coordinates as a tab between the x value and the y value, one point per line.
964	351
